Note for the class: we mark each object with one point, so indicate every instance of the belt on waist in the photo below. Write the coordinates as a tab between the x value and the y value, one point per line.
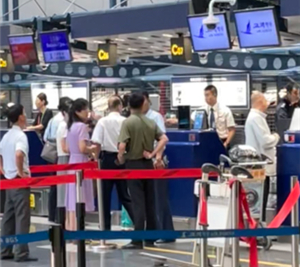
109	153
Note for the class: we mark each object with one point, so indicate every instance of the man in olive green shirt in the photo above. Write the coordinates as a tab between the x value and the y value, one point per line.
136	140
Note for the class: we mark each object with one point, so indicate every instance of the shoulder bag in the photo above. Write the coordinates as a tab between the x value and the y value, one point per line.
49	152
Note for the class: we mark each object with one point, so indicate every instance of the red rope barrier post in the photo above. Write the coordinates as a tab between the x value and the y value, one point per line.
295	223
103	244
235	222
80	217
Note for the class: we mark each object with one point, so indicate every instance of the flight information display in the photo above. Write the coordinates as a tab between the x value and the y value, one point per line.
233	90
257	28
23	49
204	39
55	46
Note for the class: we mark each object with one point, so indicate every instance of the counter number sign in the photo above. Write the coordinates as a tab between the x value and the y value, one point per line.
102	55
107	54
3	63
181	50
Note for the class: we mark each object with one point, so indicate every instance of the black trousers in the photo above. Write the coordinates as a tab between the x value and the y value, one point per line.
108	163
143	197
163	208
265	198
16	220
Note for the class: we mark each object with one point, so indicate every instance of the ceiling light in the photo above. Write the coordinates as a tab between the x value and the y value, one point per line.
131	49
154	47
167	35
143	38
119	40
99	42
2	51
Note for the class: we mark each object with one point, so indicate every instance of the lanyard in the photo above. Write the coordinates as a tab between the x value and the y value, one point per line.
42	116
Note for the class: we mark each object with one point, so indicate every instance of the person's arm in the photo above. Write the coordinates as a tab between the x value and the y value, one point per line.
230	124
262	133
160	122
20	152
124	138
46	135
160	146
44	121
84	148
64	145
98	137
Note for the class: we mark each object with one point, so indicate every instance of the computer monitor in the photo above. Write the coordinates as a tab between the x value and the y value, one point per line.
184	117
204	39
201	120
257	28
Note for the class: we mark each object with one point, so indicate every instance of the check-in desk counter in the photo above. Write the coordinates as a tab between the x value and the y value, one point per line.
38	196
288	164
189	149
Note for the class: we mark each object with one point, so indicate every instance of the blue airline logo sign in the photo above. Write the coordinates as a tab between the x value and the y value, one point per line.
258	27
218	31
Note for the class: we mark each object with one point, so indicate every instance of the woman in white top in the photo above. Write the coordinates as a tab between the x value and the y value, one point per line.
62	150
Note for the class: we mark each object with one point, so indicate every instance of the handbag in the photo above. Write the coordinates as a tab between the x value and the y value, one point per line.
49	152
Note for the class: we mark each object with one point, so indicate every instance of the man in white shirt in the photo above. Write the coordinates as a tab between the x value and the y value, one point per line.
14	165
259	136
105	136
220	117
163	209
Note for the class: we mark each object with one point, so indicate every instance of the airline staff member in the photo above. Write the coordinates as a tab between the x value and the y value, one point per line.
137	137
14	164
161	186
105	136
43	117
220	117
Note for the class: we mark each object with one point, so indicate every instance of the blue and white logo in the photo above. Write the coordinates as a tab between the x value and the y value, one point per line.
258	27
218	31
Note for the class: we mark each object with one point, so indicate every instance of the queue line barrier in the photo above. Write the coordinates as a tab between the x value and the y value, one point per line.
147	235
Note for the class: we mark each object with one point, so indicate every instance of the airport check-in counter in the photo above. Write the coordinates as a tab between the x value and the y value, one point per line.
38	196
288	164
189	149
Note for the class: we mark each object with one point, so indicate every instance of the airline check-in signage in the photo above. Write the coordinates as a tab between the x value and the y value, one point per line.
107	54
181	50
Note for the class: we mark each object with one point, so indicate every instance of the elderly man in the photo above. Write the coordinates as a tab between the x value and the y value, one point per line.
259	136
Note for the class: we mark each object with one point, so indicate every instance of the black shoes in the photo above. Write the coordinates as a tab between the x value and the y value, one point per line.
11	257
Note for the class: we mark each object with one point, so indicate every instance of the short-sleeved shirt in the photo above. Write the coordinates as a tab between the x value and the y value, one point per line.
107	131
14	140
139	133
223	118
60	135
43	118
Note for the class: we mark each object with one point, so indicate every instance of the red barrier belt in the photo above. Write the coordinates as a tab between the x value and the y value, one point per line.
243	206
37	182
63	167
142	174
203	211
287	207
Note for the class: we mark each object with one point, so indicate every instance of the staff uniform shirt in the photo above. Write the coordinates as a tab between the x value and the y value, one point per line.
51	130
14	140
43	118
107	131
258	135
139	133
223	119
61	134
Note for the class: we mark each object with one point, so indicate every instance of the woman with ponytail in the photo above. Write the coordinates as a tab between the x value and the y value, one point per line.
79	147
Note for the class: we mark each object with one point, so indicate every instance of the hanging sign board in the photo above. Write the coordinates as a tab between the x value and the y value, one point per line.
6	64
181	49
107	54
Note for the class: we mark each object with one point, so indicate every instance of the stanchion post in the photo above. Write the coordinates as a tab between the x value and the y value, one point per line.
61	220
80	218
103	245
203	189
295	223
235	222
56	239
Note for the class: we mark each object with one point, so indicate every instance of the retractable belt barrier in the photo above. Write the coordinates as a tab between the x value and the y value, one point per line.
148	235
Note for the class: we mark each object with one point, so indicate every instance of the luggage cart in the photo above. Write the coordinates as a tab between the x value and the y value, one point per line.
253	190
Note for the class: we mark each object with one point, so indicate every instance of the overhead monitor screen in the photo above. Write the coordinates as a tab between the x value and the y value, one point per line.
51	91
55	46
204	39
23	49
257	28
74	90
233	90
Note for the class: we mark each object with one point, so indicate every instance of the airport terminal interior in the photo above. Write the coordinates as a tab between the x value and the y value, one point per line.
216	71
